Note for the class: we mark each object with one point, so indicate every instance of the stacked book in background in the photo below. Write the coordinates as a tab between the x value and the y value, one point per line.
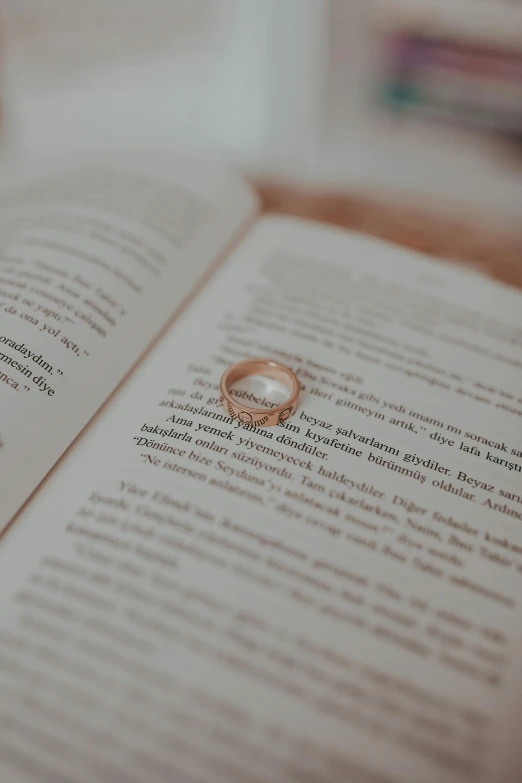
458	64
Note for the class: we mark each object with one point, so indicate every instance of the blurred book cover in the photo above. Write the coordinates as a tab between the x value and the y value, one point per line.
52	42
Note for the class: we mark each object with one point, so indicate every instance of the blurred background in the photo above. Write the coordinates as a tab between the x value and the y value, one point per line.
398	117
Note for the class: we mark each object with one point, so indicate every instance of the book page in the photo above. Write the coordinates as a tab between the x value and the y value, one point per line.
94	260
333	599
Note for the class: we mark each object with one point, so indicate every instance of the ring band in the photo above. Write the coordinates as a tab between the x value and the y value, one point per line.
259	417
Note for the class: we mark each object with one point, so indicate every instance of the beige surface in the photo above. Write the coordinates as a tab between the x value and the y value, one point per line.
495	250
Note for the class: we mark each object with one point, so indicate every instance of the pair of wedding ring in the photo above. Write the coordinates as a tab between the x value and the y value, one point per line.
259	417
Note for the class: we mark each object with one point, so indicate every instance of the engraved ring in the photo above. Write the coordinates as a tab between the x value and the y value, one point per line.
259	417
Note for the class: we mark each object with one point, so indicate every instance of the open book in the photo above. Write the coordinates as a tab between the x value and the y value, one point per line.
337	598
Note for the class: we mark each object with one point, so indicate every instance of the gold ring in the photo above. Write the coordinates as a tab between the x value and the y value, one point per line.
259	417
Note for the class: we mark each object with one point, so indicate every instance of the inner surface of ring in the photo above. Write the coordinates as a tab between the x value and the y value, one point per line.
260	385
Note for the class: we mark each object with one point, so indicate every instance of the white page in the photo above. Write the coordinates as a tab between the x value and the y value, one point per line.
190	600
94	261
